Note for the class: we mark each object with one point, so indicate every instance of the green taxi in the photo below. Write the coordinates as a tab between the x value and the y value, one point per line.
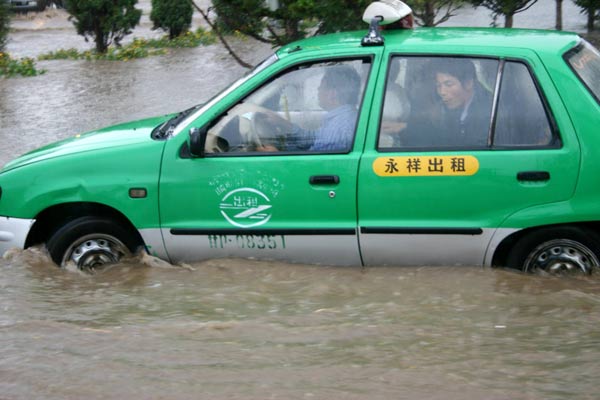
441	146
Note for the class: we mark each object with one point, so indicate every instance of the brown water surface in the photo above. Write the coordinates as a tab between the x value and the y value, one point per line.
257	330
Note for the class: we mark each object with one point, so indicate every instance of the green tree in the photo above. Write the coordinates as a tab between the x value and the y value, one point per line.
107	21
281	21
295	19
340	15
507	8
434	12
592	9
4	23
173	16
291	20
245	16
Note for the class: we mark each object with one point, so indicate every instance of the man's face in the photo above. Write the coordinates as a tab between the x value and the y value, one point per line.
452	92
327	96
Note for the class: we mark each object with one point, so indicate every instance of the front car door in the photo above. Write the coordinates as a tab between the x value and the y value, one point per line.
464	142
278	180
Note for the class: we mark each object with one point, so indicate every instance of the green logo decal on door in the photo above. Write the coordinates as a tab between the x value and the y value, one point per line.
246	207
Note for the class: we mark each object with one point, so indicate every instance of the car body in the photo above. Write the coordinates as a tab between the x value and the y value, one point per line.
224	180
27	5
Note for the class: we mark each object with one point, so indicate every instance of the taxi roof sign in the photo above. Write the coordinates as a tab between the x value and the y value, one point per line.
383	12
386	11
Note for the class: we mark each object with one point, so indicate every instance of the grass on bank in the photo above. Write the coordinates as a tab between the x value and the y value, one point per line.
10	67
139	48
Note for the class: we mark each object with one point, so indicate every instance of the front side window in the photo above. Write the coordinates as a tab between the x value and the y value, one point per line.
309	108
585	61
462	103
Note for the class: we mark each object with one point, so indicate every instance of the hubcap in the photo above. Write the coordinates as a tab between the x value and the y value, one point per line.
94	251
562	256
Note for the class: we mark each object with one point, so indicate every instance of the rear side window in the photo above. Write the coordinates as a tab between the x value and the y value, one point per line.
521	118
438	102
445	103
585	62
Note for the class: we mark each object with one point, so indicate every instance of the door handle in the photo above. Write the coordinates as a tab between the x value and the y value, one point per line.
533	176
324	180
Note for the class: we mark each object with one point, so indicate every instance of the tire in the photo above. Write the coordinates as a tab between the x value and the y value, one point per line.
91	243
559	251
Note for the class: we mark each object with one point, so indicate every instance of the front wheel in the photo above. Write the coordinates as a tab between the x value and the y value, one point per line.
91	243
558	251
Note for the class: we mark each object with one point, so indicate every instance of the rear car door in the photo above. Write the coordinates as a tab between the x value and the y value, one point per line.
436	183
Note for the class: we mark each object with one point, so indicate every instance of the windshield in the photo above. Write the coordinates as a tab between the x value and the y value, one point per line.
260	67
585	62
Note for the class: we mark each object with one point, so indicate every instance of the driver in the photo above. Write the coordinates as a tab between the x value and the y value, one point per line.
338	95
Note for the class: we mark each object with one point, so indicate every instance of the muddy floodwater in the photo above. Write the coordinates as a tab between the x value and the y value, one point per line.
242	329
237	329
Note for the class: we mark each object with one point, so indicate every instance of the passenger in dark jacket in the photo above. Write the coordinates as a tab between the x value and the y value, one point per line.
462	117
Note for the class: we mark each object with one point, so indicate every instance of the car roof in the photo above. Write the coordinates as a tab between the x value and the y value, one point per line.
437	39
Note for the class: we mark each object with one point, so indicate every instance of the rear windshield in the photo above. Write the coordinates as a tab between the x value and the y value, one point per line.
585	61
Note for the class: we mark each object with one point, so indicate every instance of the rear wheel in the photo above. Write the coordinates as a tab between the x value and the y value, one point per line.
559	251
91	243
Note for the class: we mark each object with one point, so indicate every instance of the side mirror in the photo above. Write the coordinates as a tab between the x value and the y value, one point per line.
197	141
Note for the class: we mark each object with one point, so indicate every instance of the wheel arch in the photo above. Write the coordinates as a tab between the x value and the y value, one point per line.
52	218
502	251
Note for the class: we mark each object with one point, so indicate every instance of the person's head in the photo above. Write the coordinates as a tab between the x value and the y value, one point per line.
339	86
455	82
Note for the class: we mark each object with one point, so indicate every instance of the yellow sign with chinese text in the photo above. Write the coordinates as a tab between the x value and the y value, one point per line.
426	166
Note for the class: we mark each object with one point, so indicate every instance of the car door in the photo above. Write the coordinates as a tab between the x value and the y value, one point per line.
269	186
432	189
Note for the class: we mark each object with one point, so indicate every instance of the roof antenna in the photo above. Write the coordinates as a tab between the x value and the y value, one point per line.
373	37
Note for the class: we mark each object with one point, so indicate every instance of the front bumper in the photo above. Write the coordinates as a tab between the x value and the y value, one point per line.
13	232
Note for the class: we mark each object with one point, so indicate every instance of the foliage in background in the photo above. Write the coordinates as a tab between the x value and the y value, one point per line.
139	48
591	8
107	21
199	37
296	19
279	22
292	20
255	19
506	8
4	23
340	15
434	12
10	67
343	15
172	16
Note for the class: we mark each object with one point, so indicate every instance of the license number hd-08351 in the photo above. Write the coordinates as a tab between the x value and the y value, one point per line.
261	242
